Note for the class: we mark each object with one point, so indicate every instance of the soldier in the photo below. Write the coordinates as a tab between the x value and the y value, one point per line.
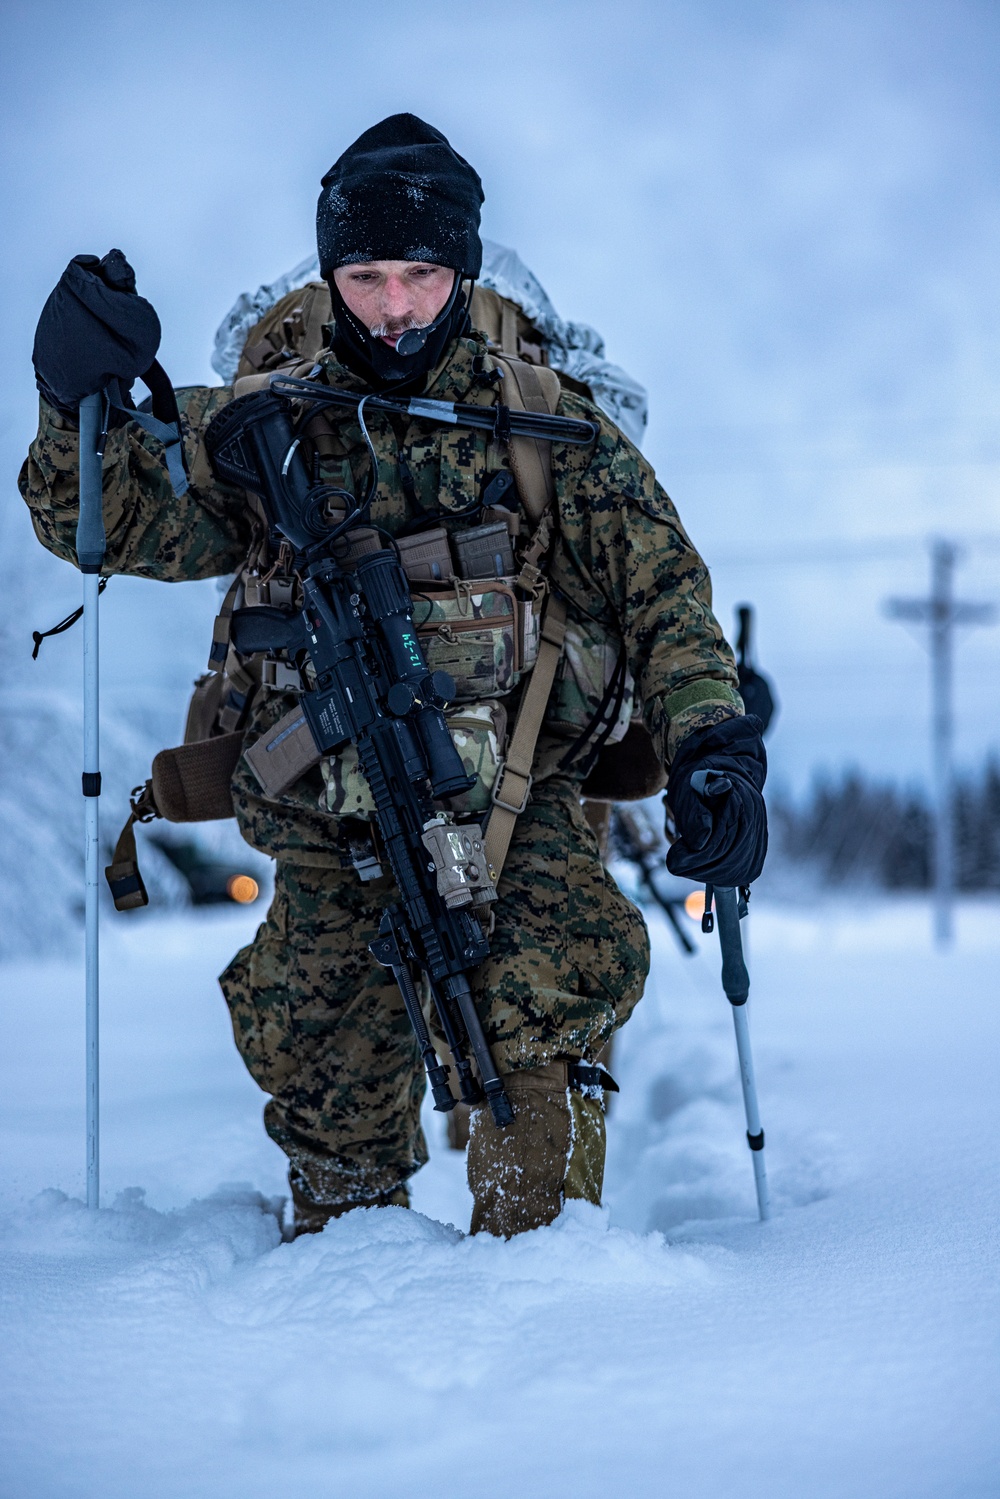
320	1026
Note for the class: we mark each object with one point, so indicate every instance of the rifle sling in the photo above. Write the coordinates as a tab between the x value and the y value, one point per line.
513	783
531	465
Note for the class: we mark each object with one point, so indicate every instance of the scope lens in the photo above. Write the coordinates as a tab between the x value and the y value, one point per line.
446	772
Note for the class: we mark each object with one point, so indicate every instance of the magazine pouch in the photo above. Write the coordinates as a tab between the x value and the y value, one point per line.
480	734
473	630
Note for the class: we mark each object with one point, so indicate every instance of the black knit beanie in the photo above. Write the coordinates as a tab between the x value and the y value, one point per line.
401	192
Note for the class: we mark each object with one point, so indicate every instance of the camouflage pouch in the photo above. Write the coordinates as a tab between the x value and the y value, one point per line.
530	629
591	676
345	792
480	734
473	631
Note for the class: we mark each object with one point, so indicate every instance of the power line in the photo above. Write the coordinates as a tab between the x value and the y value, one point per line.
837	552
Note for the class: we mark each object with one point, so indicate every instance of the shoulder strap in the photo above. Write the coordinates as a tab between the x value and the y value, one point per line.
316	314
223	627
513	782
192	783
529	387
293	326
508	327
123	875
246	385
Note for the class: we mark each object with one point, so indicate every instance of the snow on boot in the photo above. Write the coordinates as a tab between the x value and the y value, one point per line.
311	1217
520	1176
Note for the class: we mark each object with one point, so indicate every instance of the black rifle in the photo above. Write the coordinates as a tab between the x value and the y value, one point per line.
373	689
755	689
641	846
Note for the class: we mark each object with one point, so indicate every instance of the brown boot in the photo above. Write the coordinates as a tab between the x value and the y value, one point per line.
520	1176
458	1126
310	1217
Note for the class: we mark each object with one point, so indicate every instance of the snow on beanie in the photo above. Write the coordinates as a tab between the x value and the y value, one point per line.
401	192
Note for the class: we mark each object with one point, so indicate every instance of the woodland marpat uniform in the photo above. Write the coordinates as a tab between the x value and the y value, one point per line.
320	1026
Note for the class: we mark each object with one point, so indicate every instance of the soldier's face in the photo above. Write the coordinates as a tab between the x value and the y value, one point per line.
389	296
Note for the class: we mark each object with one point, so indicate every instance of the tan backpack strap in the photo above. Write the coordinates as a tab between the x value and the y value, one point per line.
529	388
123	876
508	328
192	783
538	386
203	709
241	684
222	628
513	783
530	578
317	313
247	385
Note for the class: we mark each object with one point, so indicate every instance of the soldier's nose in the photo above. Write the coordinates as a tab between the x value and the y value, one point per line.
396	301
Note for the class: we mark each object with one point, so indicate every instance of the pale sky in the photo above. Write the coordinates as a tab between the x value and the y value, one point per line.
784	218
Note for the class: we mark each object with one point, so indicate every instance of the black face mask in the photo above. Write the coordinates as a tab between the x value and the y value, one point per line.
381	366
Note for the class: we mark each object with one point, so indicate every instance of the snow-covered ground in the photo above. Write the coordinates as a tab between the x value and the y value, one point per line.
672	1346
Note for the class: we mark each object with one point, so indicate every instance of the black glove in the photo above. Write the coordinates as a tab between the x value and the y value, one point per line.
93	328
714	793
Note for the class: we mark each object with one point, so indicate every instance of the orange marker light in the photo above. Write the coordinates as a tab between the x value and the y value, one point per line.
242	888
694	904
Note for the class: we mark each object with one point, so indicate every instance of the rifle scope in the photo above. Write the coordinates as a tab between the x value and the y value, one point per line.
387	600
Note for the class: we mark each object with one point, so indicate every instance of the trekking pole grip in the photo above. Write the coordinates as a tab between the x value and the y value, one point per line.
735	978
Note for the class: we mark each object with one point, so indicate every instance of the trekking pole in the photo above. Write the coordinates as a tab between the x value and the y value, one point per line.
90	546
729	907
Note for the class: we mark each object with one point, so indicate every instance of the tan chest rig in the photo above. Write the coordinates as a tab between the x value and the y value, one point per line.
487	631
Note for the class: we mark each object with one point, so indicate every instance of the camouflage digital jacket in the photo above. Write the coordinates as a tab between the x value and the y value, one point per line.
621	557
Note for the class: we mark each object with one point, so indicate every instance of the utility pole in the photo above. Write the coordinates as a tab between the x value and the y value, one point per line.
942	612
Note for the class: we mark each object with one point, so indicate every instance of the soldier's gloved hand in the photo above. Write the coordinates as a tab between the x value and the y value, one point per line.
94	327
714	793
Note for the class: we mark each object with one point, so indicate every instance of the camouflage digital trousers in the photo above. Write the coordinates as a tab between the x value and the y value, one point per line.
323	1030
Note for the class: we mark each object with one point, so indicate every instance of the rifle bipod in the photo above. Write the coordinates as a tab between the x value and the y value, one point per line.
641	846
463	1029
